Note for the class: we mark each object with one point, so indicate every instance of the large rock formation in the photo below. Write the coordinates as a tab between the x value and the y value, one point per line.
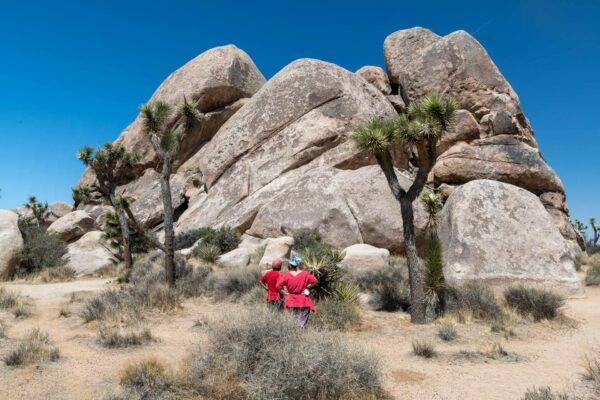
89	254
219	79
502	234
72	226
11	243
282	159
497	142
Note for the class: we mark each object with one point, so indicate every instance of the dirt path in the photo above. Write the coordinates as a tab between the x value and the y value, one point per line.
551	354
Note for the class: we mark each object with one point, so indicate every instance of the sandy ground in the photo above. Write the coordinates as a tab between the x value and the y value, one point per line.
550	354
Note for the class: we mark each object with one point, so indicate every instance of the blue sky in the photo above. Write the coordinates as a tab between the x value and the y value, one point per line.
73	73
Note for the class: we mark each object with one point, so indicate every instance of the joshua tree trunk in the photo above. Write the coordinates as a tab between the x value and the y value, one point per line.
125	236
405	198
165	187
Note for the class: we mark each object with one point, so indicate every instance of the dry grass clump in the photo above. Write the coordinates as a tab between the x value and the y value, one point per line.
232	282
55	274
335	315
64	311
22	311
537	303
544	393
498	352
148	379
475	299
3	328
592	371
447	332
243	362
114	337
423	348
592	275
9	299
36	347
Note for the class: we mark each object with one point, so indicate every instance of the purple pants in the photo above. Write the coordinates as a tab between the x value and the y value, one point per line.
300	316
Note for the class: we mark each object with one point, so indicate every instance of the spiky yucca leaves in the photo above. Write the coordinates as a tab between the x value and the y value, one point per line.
39	211
433	274
324	266
580	226
347	293
81	194
433	204
377	135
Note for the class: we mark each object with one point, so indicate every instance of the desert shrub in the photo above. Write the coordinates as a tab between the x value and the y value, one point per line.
187	239
223	238
335	315
592	370
64	311
3	328
40	249
207	252
347	293
256	295
146	376
111	232
240	362
592	275
232	282
56	274
392	296
113	337
9	299
36	347
447	332
540	304
498	352
544	393
423	348
22	311
111	303
190	281
310	240
475	298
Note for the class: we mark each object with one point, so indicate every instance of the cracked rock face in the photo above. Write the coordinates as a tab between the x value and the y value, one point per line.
502	234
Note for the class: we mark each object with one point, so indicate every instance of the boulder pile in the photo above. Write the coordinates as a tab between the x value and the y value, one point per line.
276	157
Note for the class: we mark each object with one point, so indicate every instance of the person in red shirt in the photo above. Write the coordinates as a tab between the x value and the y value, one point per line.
295	286
269	281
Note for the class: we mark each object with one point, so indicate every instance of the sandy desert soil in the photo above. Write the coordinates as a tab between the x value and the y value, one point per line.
550	354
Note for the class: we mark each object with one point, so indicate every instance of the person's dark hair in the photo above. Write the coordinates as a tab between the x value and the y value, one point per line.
276	267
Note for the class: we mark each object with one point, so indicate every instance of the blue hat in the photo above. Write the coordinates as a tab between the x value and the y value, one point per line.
295	261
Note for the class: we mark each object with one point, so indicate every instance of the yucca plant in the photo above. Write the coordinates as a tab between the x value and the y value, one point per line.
347	293
165	129
433	274
324	266
207	252
420	127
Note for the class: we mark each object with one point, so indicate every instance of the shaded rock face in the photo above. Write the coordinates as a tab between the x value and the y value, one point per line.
376	77
364	256
218	78
501	234
89	254
11	243
72	226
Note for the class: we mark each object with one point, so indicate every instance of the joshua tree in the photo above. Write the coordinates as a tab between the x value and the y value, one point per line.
420	127
81	194
39	211
165	130
595	231
112	165
581	227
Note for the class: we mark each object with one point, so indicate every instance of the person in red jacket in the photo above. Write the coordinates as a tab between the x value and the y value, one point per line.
269	281
295	286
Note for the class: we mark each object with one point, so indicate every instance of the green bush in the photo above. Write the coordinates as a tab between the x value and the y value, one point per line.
475	298
187	239
243	362
540	304
592	275
223	238
335	315
40	249
310	240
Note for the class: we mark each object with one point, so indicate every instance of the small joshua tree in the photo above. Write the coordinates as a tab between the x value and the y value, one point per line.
165	130
595	231
420	127
39	211
112	165
81	194
580	226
